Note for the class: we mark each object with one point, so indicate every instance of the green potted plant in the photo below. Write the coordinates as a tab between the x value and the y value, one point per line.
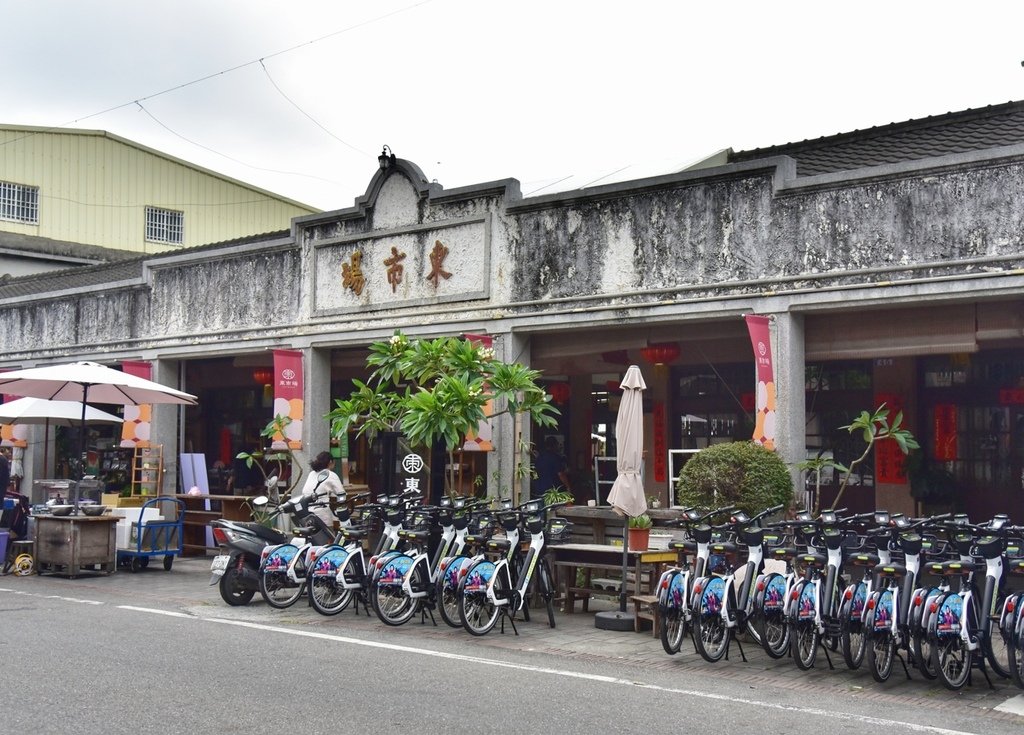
640	532
553	496
439	391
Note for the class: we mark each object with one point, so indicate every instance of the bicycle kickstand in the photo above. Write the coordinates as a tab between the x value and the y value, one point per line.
511	621
827	657
424	612
905	669
734	639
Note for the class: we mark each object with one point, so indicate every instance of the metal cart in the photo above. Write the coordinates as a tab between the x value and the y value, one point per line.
155	538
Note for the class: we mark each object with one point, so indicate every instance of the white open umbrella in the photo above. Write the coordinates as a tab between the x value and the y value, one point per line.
58	413
627	494
82	382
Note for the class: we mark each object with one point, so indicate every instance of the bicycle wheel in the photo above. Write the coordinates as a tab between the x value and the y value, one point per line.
803	643
1017	649
710	636
950	654
391	604
772	618
851	636
327	596
881	651
278	590
921	648
996	645
477	611
448	601
952	661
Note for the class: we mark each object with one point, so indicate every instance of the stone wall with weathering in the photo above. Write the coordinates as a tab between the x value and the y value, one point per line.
747	228
746	233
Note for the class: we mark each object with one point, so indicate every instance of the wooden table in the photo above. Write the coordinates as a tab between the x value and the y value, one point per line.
598	523
69	545
568	558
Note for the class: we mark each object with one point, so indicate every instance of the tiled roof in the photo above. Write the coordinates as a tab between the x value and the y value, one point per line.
938	135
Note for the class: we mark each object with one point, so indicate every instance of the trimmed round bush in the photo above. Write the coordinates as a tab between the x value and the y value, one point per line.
742	473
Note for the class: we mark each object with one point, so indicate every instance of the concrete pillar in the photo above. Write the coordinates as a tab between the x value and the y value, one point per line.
166	424
787	331
580	462
316	396
508	432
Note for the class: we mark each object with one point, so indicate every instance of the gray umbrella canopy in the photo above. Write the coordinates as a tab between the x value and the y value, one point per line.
55	413
627	493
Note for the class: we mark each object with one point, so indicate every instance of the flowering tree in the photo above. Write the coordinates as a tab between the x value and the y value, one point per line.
438	390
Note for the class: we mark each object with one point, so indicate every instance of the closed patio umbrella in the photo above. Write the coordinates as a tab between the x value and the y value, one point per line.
627	494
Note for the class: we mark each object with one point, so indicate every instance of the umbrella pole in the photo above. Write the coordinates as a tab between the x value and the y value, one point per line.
625	564
620	619
81	450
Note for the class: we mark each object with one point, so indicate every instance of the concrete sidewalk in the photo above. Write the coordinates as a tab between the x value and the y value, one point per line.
186	588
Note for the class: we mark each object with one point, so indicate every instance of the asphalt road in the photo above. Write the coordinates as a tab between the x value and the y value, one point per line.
162	654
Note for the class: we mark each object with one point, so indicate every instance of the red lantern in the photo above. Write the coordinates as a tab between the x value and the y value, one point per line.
660	353
263	376
559	392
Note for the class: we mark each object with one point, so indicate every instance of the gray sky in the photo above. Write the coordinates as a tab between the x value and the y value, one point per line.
555	93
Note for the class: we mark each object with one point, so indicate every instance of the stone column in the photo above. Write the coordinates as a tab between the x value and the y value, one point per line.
317	399
165	427
507	432
787	330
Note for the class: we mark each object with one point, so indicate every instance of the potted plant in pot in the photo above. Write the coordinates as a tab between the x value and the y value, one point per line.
639	532
553	496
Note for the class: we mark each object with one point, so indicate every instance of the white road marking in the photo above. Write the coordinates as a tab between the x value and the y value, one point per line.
1014	705
52	597
168	613
812	711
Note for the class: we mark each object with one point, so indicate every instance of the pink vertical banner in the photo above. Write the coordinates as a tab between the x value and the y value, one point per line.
138	420
765	407
482	440
288	397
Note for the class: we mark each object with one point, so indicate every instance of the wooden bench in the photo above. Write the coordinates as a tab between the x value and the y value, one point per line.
645	607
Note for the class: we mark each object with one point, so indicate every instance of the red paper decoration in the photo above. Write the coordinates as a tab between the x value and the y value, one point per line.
559	392
660	353
263	376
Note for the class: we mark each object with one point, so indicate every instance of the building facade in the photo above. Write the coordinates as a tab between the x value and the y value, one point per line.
888	262
90	187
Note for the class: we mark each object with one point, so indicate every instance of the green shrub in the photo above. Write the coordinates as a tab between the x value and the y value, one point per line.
742	473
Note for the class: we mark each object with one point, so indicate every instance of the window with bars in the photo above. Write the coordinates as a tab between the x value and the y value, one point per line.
165	225
19	203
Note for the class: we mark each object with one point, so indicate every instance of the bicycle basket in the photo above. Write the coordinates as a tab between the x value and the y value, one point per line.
559	531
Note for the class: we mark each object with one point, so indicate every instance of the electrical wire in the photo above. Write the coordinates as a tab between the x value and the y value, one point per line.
222	72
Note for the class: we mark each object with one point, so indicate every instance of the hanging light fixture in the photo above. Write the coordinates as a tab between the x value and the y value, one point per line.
660	353
559	392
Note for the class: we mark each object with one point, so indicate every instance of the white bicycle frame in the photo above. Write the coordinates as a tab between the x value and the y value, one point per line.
450	542
755	556
502	567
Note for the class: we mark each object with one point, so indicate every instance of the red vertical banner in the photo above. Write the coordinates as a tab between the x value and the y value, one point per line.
138	420
660	443
945	449
481	440
890	461
12	435
288	401
765	408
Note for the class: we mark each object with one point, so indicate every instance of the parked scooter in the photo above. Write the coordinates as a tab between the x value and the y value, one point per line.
238	571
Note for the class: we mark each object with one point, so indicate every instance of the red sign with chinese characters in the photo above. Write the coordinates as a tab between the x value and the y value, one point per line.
889	458
765	416
288	399
660	447
945	449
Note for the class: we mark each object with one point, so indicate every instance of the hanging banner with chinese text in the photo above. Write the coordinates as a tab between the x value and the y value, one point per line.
482	440
945	449
660	443
288	400
765	408
138	420
890	461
